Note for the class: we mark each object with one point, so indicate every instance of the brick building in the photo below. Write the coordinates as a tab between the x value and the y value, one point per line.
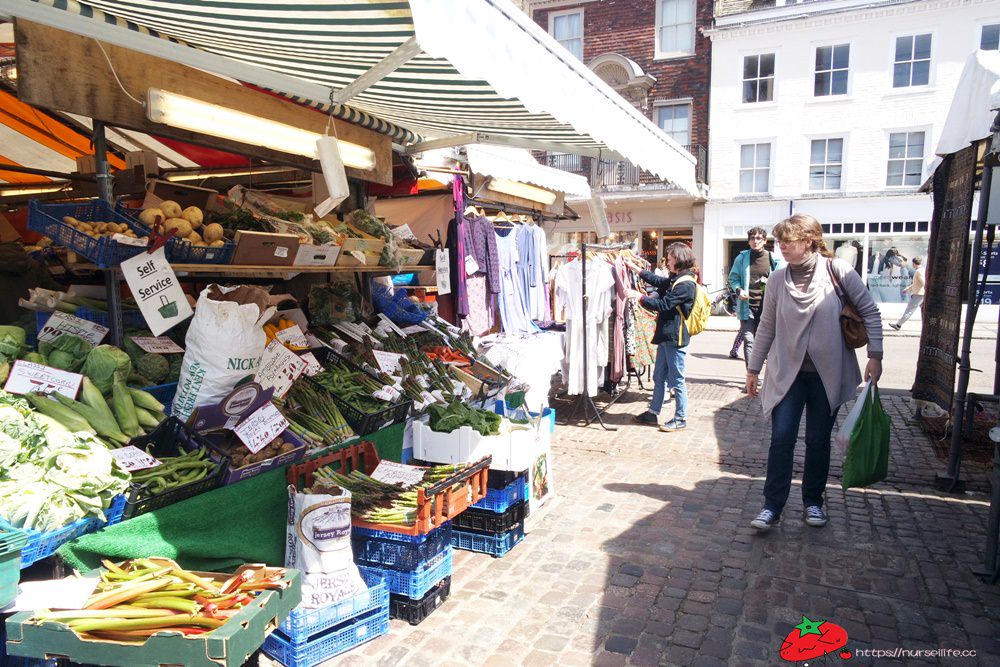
654	54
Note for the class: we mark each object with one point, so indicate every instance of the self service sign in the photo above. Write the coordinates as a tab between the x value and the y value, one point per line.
156	290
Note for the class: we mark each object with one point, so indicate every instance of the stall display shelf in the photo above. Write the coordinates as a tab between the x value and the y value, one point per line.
414	584
43	544
398	552
501	500
496	545
329	644
302	623
171	438
11	543
415	611
257	271
489	521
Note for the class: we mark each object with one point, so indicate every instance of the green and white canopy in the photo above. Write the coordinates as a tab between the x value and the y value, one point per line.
418	70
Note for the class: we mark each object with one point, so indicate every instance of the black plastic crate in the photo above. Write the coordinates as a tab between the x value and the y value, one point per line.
171	438
476	519
363	423
501	479
47	220
415	611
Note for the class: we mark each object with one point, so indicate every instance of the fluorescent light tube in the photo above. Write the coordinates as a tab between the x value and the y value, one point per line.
32	190
217	121
522	190
201	175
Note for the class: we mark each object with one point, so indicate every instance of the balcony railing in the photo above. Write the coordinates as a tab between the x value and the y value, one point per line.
612	175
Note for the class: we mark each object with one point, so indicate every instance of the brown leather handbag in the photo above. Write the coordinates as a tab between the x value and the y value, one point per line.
852	325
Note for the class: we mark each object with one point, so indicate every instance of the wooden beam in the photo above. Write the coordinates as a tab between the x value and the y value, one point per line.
66	72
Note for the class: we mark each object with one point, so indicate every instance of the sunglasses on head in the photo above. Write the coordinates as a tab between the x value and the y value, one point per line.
756	237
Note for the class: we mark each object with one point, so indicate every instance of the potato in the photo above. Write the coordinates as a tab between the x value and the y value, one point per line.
84	227
70	220
182	226
213	232
149	216
194	237
217	244
193	215
171	209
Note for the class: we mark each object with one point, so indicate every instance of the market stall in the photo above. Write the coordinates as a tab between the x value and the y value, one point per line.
231	376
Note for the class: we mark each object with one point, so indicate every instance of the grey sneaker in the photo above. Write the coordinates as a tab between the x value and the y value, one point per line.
766	520
646	417
894	326
815	516
673	425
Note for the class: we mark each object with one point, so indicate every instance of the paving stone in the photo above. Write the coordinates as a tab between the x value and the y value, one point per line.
621	644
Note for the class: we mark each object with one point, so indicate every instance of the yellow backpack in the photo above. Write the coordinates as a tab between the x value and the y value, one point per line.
700	311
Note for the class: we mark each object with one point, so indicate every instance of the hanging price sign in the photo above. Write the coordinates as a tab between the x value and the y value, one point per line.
261	428
63	323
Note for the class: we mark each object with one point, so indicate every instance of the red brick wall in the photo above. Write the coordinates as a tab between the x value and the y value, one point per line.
628	27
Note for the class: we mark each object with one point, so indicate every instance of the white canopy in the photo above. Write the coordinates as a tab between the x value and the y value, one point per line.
976	100
516	164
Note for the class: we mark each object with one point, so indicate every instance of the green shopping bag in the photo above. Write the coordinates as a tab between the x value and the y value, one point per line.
867	458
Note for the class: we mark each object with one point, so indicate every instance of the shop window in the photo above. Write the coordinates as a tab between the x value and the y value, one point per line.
755	168
911	226
890	266
826	163
831	70
567	28
758	78
989	39
923	226
675	120
906	156
674	28
913	61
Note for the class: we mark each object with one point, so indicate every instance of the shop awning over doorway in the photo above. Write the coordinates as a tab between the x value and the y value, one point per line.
417	70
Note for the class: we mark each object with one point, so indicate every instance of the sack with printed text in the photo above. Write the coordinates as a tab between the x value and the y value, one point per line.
225	342
319	545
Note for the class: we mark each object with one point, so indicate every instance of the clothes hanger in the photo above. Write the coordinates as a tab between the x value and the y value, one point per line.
470	210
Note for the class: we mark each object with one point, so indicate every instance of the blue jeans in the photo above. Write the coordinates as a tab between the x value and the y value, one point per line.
807	393
669	373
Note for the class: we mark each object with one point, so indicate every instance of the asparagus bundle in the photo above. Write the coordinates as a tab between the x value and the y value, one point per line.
313	415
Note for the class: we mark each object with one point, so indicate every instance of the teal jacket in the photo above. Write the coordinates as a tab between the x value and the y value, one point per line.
739	278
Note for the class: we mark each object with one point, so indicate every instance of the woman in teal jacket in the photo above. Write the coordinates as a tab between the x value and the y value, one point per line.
748	278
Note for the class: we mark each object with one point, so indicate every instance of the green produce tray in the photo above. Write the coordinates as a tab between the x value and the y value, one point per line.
228	646
10	564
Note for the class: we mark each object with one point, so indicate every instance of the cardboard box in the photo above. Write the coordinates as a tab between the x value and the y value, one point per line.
228	646
265	249
367	242
317	255
86	164
144	159
158	191
347	259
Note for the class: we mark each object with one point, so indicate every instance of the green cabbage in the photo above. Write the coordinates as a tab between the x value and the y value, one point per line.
11	342
104	363
67	352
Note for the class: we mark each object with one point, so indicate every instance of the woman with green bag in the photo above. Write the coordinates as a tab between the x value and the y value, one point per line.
809	366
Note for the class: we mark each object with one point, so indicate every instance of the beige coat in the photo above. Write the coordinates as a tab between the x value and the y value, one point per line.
793	322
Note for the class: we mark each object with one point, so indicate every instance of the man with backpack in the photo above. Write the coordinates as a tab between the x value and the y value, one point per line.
748	278
681	311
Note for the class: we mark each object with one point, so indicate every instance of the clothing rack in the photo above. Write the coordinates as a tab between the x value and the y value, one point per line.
585	401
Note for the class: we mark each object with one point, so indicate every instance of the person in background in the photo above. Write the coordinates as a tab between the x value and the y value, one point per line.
809	367
916	292
734	353
672	306
748	278
18	273
661	268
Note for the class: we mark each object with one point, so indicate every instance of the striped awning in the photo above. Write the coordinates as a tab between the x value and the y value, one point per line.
482	66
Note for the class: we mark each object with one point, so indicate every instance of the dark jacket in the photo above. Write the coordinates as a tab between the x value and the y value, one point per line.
18	273
669	304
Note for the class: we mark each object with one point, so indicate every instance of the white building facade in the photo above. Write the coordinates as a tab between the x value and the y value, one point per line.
834	108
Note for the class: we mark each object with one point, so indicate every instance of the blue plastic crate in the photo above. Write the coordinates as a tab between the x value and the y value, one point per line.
46	219
42	545
333	642
416	583
179	251
303	623
496	545
548	414
500	500
398	552
132	319
164	393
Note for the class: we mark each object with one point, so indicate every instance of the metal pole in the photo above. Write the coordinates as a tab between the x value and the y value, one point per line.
112	275
951	480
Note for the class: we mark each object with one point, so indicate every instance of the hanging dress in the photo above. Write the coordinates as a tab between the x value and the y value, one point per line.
513	311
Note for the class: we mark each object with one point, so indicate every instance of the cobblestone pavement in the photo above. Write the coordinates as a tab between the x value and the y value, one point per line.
646	557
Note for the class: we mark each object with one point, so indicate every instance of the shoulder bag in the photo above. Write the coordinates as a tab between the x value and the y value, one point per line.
852	325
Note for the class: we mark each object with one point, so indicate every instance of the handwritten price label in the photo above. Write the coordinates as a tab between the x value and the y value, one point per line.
128	240
312	364
30	378
131	458
157	345
64	323
279	368
388	362
293	336
261	428
398	473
